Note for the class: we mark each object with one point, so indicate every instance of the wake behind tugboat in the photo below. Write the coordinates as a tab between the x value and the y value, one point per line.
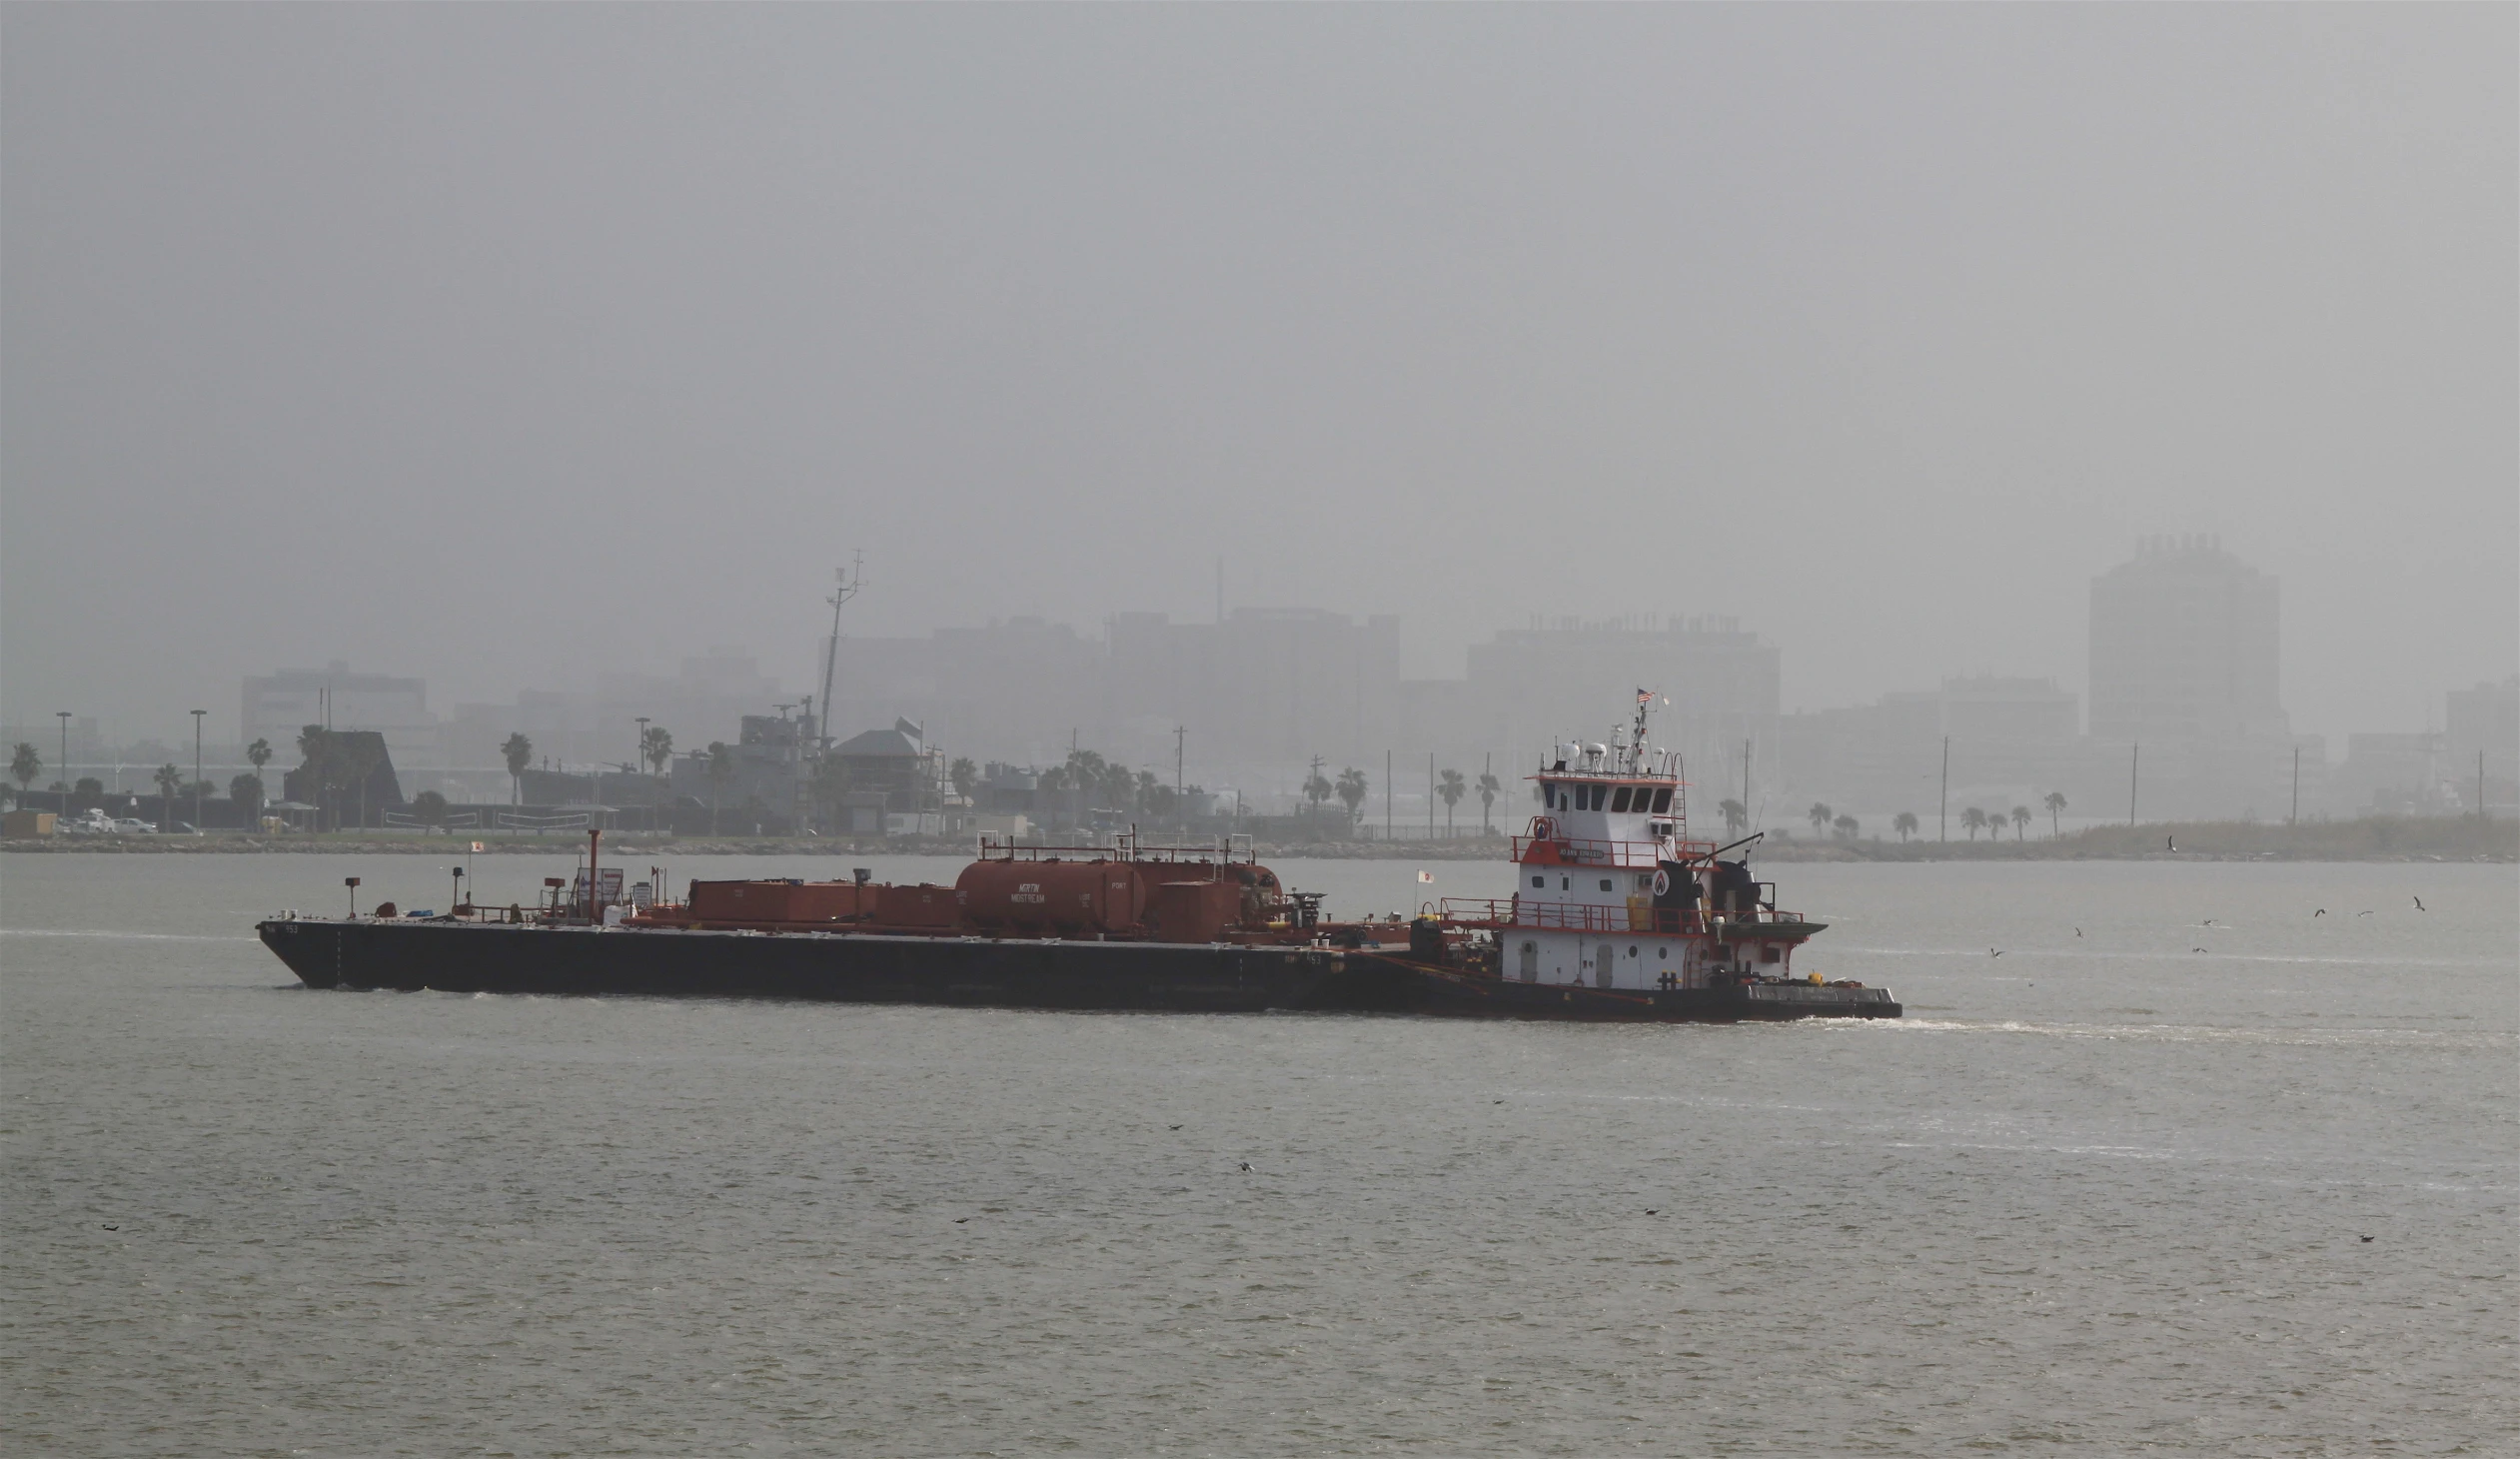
1617	915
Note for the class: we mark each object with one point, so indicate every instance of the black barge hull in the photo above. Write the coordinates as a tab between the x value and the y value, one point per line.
983	972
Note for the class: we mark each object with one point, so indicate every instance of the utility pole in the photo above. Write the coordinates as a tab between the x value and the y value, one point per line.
2134	772
850	585
2295	818
1943	813
1430	795
1386	794
197	713
1181	810
63	779
2481	784
1745	785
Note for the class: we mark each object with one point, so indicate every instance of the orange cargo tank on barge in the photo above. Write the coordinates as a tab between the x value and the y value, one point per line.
1616	915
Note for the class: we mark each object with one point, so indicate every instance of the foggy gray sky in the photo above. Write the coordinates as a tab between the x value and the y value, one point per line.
497	343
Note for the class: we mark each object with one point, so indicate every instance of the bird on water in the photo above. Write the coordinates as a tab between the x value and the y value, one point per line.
1246	1165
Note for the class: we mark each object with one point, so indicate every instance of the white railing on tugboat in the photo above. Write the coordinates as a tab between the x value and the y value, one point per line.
1643	855
1591	916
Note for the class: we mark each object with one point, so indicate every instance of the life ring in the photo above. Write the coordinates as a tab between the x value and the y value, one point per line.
1543	828
1663	883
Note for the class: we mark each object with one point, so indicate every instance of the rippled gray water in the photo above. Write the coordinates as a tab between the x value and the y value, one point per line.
2103	1194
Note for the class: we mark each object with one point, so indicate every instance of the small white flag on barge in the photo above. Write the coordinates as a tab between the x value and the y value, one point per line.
1426	875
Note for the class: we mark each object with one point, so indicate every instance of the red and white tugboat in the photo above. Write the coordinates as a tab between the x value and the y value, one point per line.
1616	913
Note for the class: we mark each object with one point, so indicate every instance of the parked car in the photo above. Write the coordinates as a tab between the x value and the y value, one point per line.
130	826
90	821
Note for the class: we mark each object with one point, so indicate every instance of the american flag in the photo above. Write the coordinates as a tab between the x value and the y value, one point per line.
1645	696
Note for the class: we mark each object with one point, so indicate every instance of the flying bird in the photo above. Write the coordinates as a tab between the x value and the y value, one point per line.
2077	931
2208	922
1995	952
2362	914
2419	905
2195	950
2172	841
2322	911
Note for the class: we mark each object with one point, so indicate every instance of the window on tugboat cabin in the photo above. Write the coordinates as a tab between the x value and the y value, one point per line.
1662	800
1618	800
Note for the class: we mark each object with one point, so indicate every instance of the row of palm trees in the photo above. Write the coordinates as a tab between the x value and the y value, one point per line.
1451	788
1904	825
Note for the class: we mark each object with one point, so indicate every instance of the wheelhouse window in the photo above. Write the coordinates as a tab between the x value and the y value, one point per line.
1662	800
1618	800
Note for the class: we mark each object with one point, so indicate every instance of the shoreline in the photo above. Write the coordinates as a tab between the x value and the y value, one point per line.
2376	840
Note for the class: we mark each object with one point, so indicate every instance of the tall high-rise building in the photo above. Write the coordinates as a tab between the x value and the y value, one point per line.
2184	647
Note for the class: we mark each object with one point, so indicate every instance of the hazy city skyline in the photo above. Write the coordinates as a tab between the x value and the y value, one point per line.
503	348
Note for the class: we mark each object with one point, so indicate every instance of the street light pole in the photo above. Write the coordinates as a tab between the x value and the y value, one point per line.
64	780
197	713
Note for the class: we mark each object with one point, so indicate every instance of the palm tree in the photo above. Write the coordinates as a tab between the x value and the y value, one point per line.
722	769
1451	787
1904	823
1318	788
1352	791
1972	820
1736	816
2056	804
24	766
2020	821
1819	816
656	746
964	774
1489	789
246	792
519	752
170	779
